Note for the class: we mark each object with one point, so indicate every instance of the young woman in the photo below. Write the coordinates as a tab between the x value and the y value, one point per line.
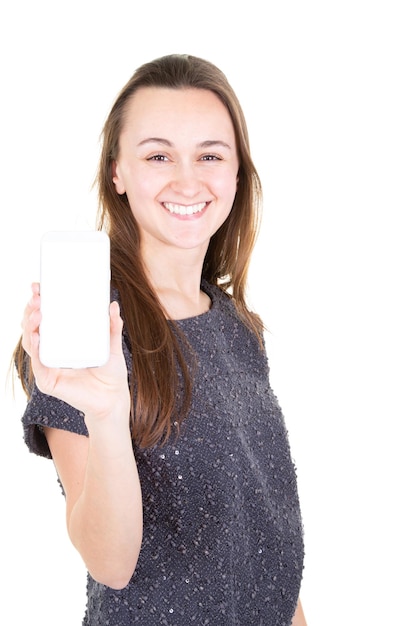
181	495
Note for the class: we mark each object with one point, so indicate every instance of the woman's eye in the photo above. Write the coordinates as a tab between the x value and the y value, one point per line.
210	157
157	157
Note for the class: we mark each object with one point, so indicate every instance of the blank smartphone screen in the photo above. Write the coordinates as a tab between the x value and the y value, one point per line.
75	298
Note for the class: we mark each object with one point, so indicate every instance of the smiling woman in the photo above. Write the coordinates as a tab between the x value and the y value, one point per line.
178	165
181	493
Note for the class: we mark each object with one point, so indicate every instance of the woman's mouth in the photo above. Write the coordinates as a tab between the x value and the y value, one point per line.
182	209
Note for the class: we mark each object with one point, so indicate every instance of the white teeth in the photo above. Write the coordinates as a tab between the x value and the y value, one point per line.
181	209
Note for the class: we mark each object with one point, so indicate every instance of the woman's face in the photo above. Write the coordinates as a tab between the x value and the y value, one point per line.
178	166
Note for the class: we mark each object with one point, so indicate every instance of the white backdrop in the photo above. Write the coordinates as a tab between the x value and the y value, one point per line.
329	90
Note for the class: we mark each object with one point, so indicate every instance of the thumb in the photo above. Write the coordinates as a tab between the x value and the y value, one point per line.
116	327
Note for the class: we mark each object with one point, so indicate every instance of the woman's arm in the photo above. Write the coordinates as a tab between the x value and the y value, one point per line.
98	472
103	500
299	619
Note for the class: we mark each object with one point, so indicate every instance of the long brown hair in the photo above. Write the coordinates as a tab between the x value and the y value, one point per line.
161	383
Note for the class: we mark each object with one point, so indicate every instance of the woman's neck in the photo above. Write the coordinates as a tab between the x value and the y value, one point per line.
176	279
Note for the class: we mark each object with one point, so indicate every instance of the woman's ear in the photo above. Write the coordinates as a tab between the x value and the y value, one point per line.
117	179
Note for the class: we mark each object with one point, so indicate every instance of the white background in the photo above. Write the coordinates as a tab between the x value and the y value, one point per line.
329	90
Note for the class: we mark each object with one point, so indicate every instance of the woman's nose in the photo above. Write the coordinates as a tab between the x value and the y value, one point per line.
186	180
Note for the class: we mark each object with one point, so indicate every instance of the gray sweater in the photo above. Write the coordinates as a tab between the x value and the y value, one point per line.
223	537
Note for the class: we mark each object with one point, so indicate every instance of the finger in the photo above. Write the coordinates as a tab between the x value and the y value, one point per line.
46	378
116	322
116	327
34	320
34	345
31	318
34	303
30	328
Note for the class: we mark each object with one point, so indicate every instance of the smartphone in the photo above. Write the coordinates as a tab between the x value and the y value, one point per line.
75	298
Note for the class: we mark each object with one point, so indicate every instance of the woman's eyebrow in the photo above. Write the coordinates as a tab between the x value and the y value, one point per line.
164	142
208	143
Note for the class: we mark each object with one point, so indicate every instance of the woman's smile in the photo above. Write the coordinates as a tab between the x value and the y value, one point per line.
182	210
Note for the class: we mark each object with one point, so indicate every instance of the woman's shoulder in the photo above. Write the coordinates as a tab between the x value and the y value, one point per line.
218	295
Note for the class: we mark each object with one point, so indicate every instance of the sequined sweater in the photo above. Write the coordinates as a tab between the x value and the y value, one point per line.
222	530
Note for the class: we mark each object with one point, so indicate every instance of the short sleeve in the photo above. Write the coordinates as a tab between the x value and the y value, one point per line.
43	410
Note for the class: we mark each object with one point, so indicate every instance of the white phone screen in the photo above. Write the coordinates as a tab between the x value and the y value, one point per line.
75	298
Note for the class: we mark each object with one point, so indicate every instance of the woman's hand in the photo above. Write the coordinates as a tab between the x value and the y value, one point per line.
97	392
